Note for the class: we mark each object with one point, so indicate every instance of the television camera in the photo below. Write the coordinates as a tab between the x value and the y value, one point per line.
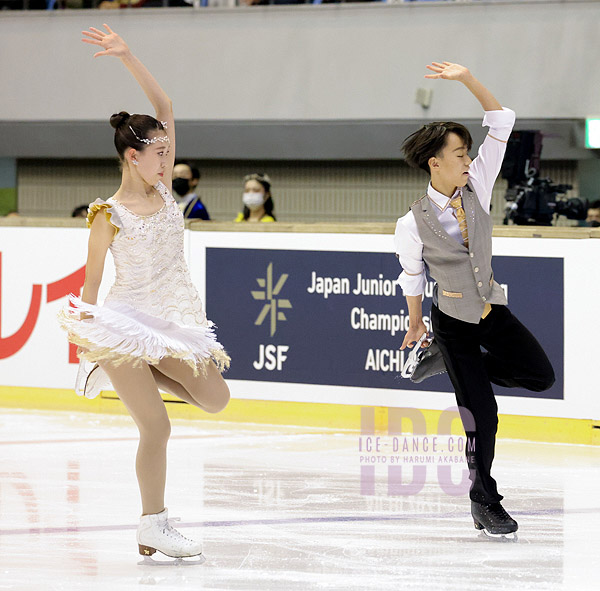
531	200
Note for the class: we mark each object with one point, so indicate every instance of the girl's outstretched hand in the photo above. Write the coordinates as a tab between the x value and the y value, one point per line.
110	42
447	71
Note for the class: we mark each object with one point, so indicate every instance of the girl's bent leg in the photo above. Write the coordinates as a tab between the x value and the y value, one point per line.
137	389
170	386
208	392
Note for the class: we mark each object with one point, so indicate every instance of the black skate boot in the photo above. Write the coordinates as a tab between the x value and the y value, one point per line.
493	519
429	363
424	363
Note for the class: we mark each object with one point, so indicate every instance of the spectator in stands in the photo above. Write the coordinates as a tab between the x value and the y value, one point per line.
80	211
593	214
257	199
185	181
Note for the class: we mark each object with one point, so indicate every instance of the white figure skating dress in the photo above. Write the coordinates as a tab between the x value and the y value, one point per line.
153	310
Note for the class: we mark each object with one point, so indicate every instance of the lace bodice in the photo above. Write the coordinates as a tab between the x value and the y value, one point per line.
152	275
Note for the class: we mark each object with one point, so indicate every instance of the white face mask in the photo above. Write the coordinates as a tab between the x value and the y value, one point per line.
253	200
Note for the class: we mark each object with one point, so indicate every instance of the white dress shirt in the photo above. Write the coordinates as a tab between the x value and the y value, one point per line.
482	175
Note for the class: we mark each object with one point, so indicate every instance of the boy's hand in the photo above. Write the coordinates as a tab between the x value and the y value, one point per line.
448	71
413	334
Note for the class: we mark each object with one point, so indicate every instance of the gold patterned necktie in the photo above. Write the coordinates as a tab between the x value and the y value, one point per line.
460	215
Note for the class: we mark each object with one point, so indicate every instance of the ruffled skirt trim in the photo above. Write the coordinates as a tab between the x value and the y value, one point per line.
120	333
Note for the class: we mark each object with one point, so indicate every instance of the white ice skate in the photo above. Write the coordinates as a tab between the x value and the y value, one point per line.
91	379
156	533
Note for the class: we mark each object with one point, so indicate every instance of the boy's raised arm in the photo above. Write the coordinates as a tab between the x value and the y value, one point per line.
450	71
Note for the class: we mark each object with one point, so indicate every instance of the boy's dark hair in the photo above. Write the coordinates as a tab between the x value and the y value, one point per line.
429	141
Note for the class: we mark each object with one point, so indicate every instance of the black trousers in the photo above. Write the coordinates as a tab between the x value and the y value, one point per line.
513	359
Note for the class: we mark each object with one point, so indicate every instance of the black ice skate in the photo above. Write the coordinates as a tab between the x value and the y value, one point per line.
493	519
424	363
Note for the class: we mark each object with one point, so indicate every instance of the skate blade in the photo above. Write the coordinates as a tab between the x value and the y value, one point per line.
502	538
193	561
95	383
83	371
509	537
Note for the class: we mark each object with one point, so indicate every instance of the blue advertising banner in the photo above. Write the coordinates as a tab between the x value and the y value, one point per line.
339	318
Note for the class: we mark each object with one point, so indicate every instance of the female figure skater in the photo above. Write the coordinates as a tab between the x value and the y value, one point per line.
151	332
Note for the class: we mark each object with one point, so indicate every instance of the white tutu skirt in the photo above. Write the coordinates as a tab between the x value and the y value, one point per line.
119	333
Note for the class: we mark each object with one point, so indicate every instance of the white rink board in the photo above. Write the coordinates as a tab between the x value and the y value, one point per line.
44	255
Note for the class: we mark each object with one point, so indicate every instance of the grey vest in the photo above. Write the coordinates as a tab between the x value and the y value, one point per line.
464	276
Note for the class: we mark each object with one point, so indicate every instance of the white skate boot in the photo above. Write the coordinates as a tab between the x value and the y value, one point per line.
91	380
156	533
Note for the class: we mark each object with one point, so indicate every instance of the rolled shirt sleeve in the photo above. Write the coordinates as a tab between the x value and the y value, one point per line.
409	249
486	166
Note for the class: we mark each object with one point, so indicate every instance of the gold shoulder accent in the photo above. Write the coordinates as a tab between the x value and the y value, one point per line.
98	206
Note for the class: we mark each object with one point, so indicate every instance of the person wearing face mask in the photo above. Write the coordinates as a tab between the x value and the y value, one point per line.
257	199
185	181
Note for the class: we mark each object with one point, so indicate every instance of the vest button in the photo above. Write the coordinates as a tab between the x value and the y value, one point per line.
483	298
479	284
471	255
476	269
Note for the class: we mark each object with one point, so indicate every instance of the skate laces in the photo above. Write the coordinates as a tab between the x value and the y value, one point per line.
171	532
498	510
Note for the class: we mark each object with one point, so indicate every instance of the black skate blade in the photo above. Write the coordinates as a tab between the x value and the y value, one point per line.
192	561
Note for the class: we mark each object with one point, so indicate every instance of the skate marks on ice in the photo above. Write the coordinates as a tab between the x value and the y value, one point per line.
277	509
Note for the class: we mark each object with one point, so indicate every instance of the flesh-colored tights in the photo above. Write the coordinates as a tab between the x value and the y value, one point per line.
138	387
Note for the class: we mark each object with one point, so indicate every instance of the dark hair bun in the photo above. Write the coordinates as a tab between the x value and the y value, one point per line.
119	119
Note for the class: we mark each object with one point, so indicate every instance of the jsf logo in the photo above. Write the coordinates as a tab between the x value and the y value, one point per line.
407	453
271	357
273	305
10	345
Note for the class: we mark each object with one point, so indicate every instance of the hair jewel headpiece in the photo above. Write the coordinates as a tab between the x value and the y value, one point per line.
164	138
258	176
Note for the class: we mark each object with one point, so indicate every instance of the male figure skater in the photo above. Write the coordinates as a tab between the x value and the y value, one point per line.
448	232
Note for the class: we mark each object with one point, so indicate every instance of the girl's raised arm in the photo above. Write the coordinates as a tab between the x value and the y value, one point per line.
114	45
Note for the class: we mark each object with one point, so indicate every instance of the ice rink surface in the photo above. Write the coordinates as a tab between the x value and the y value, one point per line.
280	508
